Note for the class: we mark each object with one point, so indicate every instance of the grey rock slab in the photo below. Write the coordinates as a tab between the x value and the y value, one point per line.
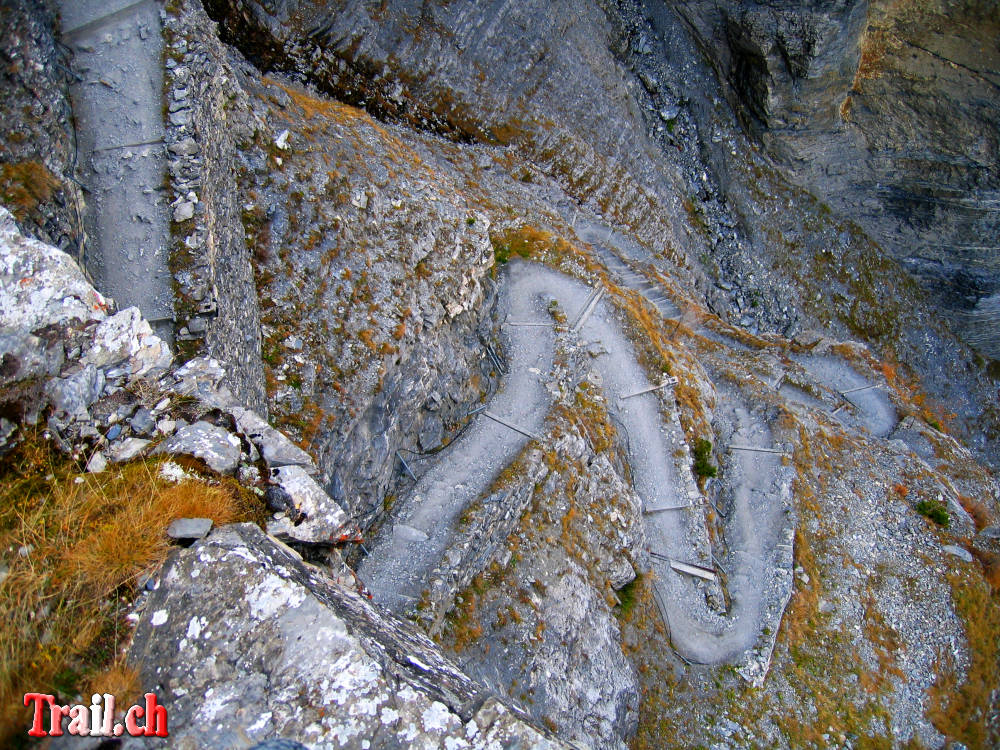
431	432
183	211
959	552
7	431
202	378
73	394
40	285
189	528
97	463
142	422
24	356
213	445
314	517
123	337
408	533
126	450
297	654
276	449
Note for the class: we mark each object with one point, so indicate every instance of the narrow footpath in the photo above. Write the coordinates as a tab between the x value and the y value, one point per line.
118	105
405	553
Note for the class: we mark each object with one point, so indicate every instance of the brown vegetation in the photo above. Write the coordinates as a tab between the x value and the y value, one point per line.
74	545
25	185
961	709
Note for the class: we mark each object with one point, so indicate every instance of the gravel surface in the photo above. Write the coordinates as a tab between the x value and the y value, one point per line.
407	550
870	408
410	547
118	103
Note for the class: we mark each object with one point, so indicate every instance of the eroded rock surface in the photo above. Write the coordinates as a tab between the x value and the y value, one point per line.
245	641
889	112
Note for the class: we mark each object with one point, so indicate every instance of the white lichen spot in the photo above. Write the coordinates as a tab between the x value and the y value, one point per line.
272	595
194	628
407	694
436	717
174	472
471	729
343	733
159	617
363	707
261	722
455	743
216	705
409	732
389	716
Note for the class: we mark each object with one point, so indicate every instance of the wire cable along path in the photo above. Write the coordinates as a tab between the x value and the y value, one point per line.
681	556
714	612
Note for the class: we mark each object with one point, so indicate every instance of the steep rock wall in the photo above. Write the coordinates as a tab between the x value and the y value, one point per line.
888	110
216	306
37	140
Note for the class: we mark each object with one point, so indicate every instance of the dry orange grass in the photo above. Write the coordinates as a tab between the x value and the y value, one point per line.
25	185
73	545
119	680
961	704
977	510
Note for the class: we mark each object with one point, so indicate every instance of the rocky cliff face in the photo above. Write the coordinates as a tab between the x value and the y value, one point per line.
97	377
289	652
888	111
37	142
584	338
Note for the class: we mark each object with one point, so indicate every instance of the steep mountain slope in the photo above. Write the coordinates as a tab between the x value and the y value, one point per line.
641	414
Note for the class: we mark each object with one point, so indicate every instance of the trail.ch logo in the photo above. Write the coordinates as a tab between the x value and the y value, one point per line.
97	719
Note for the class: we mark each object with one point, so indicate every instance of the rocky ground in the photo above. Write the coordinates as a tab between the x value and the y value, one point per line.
387	222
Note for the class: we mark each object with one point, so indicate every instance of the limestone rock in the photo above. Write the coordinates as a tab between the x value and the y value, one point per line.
188	529
275	447
314	517
73	394
202	378
40	285
97	463
959	552
214	445
127	336
126	450
24	356
244	642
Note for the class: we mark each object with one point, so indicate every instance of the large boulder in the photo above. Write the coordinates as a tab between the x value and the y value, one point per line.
40	285
242	641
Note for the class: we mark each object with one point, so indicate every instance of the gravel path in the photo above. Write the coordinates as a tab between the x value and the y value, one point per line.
871	408
118	103
405	553
754	499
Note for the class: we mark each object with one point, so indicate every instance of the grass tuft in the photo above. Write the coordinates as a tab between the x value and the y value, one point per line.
703	466
73	546
936	511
